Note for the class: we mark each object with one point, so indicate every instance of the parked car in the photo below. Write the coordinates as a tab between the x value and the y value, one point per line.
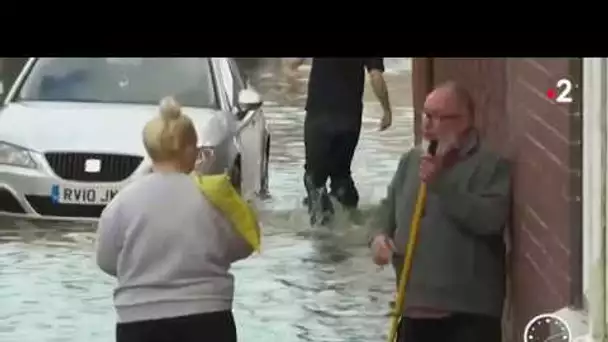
71	129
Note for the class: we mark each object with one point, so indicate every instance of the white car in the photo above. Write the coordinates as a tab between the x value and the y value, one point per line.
71	129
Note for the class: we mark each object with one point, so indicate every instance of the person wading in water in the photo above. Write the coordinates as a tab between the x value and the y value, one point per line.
334	110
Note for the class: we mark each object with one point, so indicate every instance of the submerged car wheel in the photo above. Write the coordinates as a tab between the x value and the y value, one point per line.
235	175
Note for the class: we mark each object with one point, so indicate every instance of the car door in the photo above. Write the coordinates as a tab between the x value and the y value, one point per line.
249	133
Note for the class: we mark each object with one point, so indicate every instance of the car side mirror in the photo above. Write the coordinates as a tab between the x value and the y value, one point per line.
249	100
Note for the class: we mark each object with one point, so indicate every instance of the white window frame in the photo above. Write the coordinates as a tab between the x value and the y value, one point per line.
595	190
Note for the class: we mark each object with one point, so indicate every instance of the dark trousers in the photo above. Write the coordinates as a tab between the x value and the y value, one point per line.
214	326
329	154
455	328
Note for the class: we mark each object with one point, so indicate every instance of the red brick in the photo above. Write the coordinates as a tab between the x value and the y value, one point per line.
555	141
526	276
541	187
529	93
556	67
545	251
516	117
527	303
532	247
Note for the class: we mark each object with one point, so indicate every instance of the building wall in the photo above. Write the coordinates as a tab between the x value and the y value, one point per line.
593	321
547	223
540	137
9	70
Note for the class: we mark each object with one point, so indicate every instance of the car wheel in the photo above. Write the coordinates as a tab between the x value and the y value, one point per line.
235	175
264	188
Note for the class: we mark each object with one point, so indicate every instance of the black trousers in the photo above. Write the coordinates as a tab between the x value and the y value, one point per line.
214	326
455	328
329	153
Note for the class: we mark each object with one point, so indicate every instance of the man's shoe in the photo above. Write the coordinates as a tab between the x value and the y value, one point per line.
320	208
345	192
317	200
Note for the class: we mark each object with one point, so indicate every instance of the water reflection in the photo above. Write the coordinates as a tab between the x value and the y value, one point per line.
306	285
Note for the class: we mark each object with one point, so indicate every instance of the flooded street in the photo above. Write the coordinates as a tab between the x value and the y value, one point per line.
306	285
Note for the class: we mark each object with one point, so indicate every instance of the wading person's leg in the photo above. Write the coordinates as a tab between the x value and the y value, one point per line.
342	184
214	326
317	143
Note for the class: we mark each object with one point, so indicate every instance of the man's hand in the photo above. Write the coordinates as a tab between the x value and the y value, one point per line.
386	121
431	166
381	92
382	249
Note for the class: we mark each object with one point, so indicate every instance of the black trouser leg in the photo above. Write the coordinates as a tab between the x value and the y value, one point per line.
455	328
421	330
317	143
476	328
214	326
342	184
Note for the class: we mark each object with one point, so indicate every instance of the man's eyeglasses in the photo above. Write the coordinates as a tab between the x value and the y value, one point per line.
447	117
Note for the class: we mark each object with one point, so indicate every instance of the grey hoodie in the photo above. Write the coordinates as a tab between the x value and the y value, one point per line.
169	249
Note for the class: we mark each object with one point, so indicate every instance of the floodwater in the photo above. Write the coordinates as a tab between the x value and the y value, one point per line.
306	285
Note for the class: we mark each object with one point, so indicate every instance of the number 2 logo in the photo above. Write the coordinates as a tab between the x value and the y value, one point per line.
564	90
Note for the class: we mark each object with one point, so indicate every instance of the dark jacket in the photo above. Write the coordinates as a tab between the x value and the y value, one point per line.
335	91
459	262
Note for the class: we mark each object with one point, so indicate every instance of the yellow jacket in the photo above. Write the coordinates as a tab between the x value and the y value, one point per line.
219	191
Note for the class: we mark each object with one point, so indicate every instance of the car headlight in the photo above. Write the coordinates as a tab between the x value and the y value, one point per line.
16	156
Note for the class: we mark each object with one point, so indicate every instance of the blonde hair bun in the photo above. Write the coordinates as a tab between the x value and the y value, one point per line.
170	109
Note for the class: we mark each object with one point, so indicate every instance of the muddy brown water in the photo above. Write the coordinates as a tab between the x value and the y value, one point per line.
306	285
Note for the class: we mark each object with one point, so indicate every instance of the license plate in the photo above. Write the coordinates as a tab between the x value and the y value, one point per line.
79	194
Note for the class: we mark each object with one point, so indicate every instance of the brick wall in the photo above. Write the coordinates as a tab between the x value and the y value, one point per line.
516	119
546	156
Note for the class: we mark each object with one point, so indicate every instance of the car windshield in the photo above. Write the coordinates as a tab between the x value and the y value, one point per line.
121	80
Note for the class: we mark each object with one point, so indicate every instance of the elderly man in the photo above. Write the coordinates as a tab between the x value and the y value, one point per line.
457	282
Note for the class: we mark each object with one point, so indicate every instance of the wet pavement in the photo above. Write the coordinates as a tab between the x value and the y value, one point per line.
306	285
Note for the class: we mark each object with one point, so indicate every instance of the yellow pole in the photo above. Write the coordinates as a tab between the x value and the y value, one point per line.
407	264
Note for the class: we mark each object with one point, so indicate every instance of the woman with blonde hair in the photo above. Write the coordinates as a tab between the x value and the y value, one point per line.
168	246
